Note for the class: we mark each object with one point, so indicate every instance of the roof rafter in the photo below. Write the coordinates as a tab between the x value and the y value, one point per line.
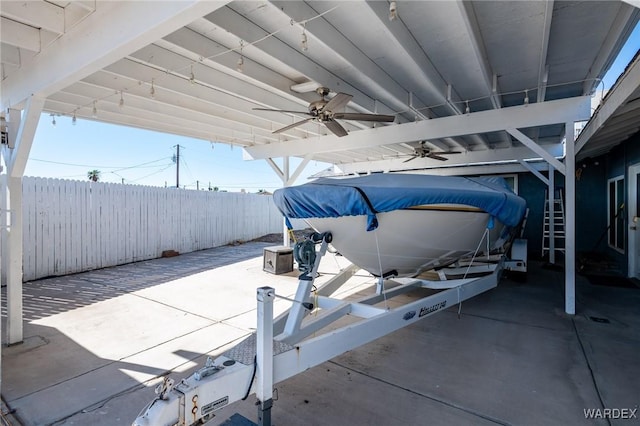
543	69
248	31
215	54
252	96
614	37
37	14
143	118
92	44
19	35
137	101
420	64
394	95
488	77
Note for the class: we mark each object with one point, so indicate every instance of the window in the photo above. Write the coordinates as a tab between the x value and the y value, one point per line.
512	181
615	196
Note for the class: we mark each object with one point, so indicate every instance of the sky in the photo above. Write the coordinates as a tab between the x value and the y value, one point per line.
625	56
141	157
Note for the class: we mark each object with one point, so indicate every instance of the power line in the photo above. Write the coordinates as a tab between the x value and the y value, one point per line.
117	168
184	161
151	174
142	165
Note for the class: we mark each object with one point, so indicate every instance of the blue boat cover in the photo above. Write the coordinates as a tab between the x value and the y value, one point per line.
383	192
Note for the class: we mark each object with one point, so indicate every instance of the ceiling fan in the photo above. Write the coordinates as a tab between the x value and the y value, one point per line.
423	151
327	111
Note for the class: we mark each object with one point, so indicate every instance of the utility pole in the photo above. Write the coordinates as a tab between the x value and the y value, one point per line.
178	166
176	159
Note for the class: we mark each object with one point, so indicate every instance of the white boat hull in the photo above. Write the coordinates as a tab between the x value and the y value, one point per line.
409	242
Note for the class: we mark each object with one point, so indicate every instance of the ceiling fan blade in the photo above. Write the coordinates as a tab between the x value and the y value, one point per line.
437	157
336	128
291	126
280	110
409	159
338	102
365	117
449	152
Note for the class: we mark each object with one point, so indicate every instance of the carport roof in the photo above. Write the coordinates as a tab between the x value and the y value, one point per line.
199	68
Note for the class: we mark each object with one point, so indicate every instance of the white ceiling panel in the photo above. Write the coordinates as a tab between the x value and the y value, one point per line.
212	63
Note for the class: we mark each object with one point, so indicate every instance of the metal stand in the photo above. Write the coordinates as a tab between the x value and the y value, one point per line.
264	366
270	360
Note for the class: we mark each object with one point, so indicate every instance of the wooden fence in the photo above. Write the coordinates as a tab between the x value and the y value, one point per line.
75	226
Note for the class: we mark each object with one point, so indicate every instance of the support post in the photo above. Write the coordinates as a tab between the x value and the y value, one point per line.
552	214
13	261
285	182
570	224
264	355
3	238
24	124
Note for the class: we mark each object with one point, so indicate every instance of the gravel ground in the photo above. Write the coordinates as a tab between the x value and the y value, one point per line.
277	238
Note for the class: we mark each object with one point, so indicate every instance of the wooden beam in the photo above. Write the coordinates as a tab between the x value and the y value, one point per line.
93	44
457	162
526	141
19	35
36	14
539	114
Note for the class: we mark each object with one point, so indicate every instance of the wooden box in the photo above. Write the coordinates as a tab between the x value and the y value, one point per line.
277	260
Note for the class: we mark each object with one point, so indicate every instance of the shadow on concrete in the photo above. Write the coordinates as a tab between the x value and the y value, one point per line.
49	378
50	296
512	357
99	365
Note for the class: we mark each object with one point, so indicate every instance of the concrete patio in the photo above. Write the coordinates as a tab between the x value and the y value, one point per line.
96	344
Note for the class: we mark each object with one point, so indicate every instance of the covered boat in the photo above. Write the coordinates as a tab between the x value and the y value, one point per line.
404	224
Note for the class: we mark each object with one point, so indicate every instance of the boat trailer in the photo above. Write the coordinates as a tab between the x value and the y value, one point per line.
282	348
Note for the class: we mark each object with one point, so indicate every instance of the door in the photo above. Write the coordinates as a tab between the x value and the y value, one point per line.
634	221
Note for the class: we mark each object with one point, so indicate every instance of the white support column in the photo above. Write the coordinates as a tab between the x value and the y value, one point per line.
16	160
3	238
13	261
551	213
286	174
13	125
570	224
285	182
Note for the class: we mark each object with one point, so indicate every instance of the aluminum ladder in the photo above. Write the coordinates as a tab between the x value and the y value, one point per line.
558	222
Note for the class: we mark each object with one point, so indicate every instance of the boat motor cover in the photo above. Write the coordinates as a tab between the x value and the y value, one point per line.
383	192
